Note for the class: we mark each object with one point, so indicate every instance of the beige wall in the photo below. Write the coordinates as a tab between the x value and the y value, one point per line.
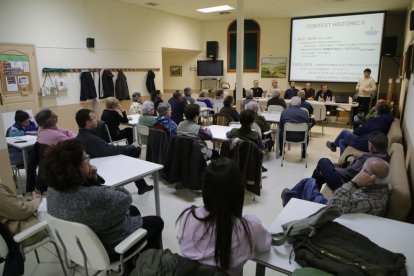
126	36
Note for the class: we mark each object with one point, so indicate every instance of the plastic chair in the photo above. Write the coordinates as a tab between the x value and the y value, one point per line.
108	134
27	233
265	137
319	112
217	106
82	246
275	108
204	114
295	127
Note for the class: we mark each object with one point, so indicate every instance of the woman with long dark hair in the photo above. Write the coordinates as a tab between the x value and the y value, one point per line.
217	234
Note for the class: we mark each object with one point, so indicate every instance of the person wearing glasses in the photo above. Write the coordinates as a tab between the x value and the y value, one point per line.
75	195
367	192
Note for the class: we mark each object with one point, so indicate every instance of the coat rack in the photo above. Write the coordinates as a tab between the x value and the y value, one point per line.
78	70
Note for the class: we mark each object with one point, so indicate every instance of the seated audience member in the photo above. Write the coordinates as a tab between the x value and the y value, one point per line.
260	121
323	94
22	126
293	114
359	138
18	213
291	92
367	192
189	127
203	97
147	118
106	210
187	95
136	103
275	85
275	99
113	119
48	133
309	91
164	122
219	95
217	234
257	91
360	119
307	106
177	104
156	98
334	176
245	132
248	99
229	110
95	146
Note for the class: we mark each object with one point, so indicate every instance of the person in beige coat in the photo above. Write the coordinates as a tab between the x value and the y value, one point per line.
17	213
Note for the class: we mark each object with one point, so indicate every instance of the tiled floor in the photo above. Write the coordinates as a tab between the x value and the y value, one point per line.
173	201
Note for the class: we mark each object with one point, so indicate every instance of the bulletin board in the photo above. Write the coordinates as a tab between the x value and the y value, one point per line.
15	74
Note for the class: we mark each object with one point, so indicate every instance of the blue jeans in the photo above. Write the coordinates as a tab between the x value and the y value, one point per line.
345	138
325	172
306	189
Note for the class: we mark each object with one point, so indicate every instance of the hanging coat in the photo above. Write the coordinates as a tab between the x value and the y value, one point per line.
88	90
121	87
150	82
106	84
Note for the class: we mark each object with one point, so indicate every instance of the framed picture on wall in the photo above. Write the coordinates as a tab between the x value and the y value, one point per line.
273	67
176	71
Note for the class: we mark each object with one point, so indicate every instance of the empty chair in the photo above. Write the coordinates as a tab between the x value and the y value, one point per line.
319	113
295	127
82	246
275	108
204	111
266	136
221	119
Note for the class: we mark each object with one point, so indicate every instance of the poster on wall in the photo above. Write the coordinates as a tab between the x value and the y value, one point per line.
273	67
15	73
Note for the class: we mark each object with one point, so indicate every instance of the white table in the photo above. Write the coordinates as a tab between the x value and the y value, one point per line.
119	170
219	132
134	123
24	143
393	235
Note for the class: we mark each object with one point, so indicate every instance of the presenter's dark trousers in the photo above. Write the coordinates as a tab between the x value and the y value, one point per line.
364	104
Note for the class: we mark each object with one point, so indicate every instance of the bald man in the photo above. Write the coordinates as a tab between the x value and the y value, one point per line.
367	192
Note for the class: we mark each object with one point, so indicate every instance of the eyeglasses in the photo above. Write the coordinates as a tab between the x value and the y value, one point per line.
86	157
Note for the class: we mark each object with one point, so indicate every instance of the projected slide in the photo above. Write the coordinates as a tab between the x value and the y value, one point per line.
336	48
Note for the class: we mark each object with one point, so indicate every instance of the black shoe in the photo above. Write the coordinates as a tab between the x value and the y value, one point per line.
142	190
282	195
331	146
264	169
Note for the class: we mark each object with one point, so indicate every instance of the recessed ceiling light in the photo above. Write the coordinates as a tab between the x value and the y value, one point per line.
216	9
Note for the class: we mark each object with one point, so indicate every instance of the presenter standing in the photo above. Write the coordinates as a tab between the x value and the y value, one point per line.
366	85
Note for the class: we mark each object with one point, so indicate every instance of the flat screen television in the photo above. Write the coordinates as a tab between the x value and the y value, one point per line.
209	68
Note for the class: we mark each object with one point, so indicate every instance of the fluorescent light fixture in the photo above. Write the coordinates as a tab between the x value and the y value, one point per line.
216	9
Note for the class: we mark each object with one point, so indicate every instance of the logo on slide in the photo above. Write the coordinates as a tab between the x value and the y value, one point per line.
371	31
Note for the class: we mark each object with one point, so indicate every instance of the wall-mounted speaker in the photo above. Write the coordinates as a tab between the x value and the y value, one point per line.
212	49
389	46
411	20
90	42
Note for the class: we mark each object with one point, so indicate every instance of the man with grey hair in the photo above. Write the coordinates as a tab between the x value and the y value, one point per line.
164	122
249	98
275	98
293	114
187	95
261	122
368	192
